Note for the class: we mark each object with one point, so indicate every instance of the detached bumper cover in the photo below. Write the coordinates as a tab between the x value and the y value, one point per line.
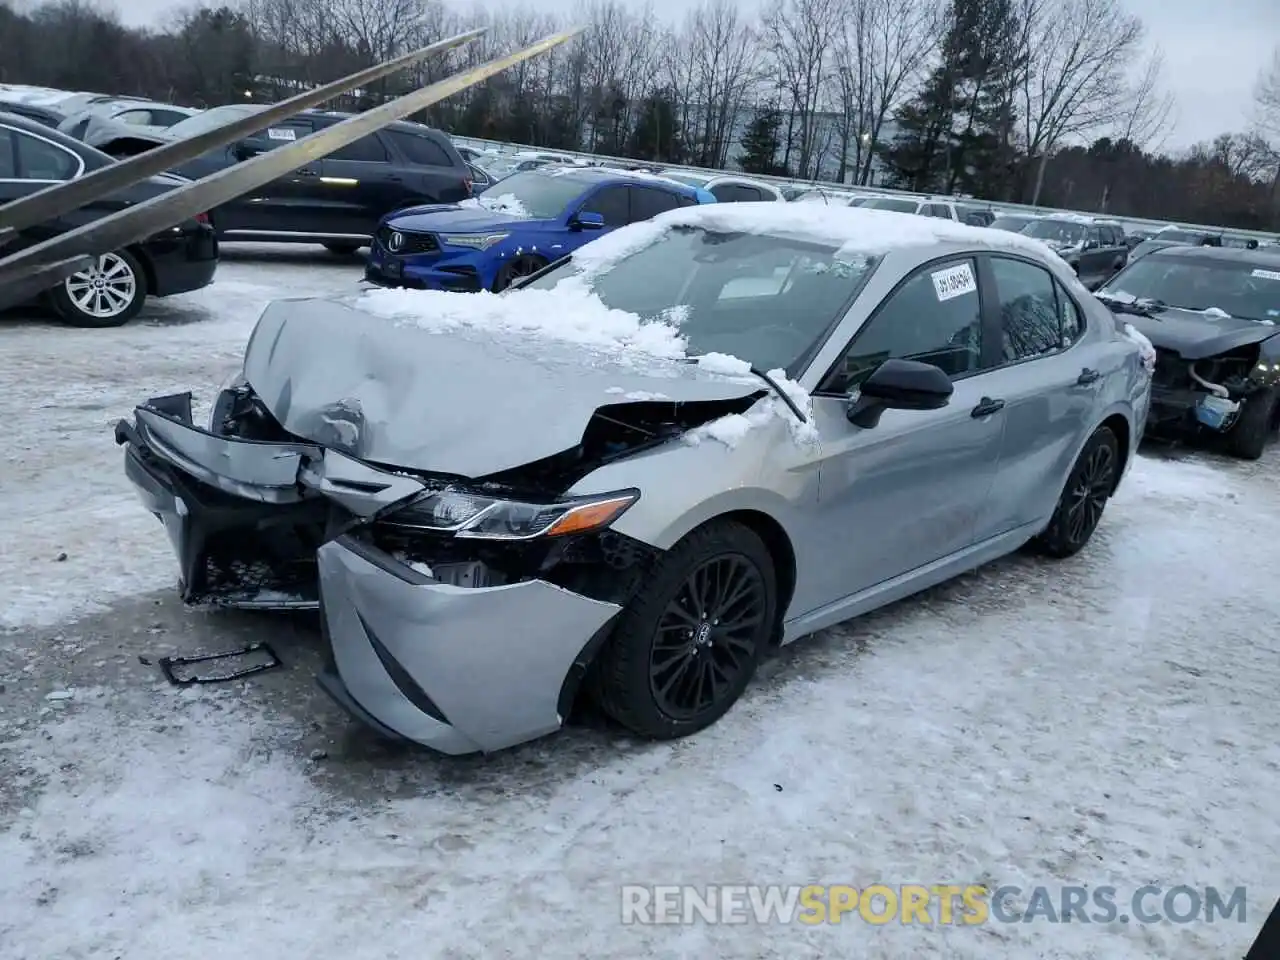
457	669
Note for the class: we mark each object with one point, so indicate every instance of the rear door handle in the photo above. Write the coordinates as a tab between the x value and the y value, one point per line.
1088	376
986	406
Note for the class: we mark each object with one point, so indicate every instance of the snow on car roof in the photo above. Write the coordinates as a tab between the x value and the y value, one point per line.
853	229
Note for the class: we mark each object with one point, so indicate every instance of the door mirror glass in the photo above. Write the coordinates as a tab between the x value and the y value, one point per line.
899	385
587	220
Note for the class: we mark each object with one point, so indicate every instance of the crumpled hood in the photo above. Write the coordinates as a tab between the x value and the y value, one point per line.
456	219
1195	335
469	404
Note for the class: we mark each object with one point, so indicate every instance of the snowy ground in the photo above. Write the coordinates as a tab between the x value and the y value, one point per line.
1110	719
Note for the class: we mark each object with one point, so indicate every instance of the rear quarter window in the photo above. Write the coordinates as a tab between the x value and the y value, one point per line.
421	150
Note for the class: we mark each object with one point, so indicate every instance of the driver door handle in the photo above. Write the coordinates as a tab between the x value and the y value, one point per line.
986	406
1088	376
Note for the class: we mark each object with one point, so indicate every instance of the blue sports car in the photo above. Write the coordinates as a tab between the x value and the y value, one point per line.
515	227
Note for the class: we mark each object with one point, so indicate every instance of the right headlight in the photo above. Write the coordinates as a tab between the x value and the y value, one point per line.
467	514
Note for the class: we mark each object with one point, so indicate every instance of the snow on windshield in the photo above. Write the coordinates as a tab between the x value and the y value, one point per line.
507	204
855	230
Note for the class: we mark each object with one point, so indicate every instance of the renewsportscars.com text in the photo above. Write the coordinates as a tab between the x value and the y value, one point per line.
945	904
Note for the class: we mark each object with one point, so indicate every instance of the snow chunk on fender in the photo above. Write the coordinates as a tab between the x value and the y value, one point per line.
730	430
1146	348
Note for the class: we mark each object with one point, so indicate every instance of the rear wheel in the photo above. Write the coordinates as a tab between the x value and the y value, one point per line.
342	248
1248	438
107	294
688	644
1089	487
514	269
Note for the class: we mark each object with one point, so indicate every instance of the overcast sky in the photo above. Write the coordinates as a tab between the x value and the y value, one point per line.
1213	48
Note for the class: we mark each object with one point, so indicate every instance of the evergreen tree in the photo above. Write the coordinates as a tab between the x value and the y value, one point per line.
761	143
956	133
657	134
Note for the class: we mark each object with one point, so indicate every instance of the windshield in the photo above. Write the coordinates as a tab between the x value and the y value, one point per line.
1182	236
541	196
211	119
764	299
1058	231
892	203
1246	290
1012	224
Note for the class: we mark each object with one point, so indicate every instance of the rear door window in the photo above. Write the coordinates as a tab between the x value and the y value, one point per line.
41	160
365	150
736	193
8	155
648	202
612	203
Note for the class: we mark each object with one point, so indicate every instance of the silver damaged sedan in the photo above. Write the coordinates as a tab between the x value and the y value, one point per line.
639	470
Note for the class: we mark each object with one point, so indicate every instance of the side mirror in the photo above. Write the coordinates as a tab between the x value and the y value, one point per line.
1091	245
899	385
586	220
244	150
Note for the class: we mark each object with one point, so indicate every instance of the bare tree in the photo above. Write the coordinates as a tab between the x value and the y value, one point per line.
721	51
1075	78
799	36
878	55
1266	96
1149	110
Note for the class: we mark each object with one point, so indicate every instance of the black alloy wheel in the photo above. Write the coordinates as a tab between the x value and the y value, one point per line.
1093	485
1088	488
515	269
687	644
707	635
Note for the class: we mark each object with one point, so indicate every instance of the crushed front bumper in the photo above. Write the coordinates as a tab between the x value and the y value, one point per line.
459	669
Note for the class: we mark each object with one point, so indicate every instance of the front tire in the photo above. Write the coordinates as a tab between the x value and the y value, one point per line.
1089	486
1248	437
688	644
107	294
516	268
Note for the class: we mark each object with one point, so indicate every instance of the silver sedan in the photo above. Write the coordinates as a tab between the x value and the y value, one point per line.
635	474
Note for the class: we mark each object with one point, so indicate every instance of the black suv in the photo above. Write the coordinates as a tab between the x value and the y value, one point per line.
1095	249
336	201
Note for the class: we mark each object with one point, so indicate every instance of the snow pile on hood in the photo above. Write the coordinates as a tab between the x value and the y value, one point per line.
506	204
731	429
573	315
1146	348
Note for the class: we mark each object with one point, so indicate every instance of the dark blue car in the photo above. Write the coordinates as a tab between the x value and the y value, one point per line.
515	227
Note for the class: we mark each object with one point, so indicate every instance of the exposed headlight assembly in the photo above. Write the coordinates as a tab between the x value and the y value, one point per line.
476	516
476	241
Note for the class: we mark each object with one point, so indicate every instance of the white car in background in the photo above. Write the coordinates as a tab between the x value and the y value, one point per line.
727	188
